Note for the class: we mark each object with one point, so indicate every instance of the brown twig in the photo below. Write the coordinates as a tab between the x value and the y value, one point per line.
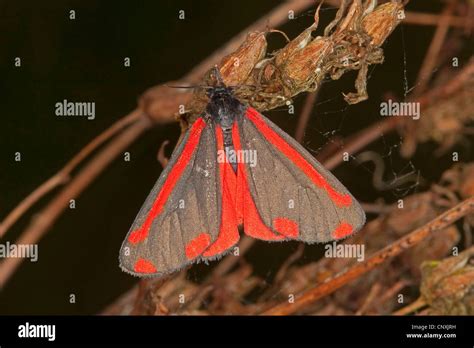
161	156
389	293
456	83
431	57
412	307
309	297
420	18
305	115
373	293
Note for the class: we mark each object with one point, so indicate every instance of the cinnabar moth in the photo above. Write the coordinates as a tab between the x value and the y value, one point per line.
194	210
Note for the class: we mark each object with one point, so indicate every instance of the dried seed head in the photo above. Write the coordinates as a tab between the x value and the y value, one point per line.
300	70
294	45
236	67
351	21
381	22
448	285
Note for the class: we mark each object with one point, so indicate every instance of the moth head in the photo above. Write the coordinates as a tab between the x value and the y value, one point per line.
219	88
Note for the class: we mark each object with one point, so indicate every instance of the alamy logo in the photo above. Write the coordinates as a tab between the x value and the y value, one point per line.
334	250
393	108
37	331
66	108
26	251
237	156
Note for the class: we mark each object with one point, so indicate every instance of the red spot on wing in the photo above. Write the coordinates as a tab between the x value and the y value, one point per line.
228	232
137	235
286	227
144	266
196	246
193	140
344	229
253	224
274	138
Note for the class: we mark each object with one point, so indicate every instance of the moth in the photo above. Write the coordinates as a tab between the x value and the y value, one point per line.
235	168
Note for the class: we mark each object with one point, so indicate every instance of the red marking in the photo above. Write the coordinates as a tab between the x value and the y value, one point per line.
286	227
228	232
343	230
340	199
144	266
195	134
195	247
253	224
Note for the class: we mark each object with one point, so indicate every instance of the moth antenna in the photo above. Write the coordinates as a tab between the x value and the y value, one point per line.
178	86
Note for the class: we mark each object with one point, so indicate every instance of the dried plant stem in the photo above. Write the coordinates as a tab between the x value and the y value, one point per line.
420	18
412	307
305	116
431	57
445	90
373	293
309	297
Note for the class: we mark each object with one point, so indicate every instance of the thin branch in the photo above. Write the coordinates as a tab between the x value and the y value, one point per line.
161	156
420	18
305	115
412	307
396	248
431	57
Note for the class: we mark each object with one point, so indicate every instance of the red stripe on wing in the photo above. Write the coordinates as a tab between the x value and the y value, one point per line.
253	224
274	138
141	233
228	231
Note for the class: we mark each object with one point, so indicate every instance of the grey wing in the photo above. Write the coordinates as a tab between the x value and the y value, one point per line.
294	194
181	216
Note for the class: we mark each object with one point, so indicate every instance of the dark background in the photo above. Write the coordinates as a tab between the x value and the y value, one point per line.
82	60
